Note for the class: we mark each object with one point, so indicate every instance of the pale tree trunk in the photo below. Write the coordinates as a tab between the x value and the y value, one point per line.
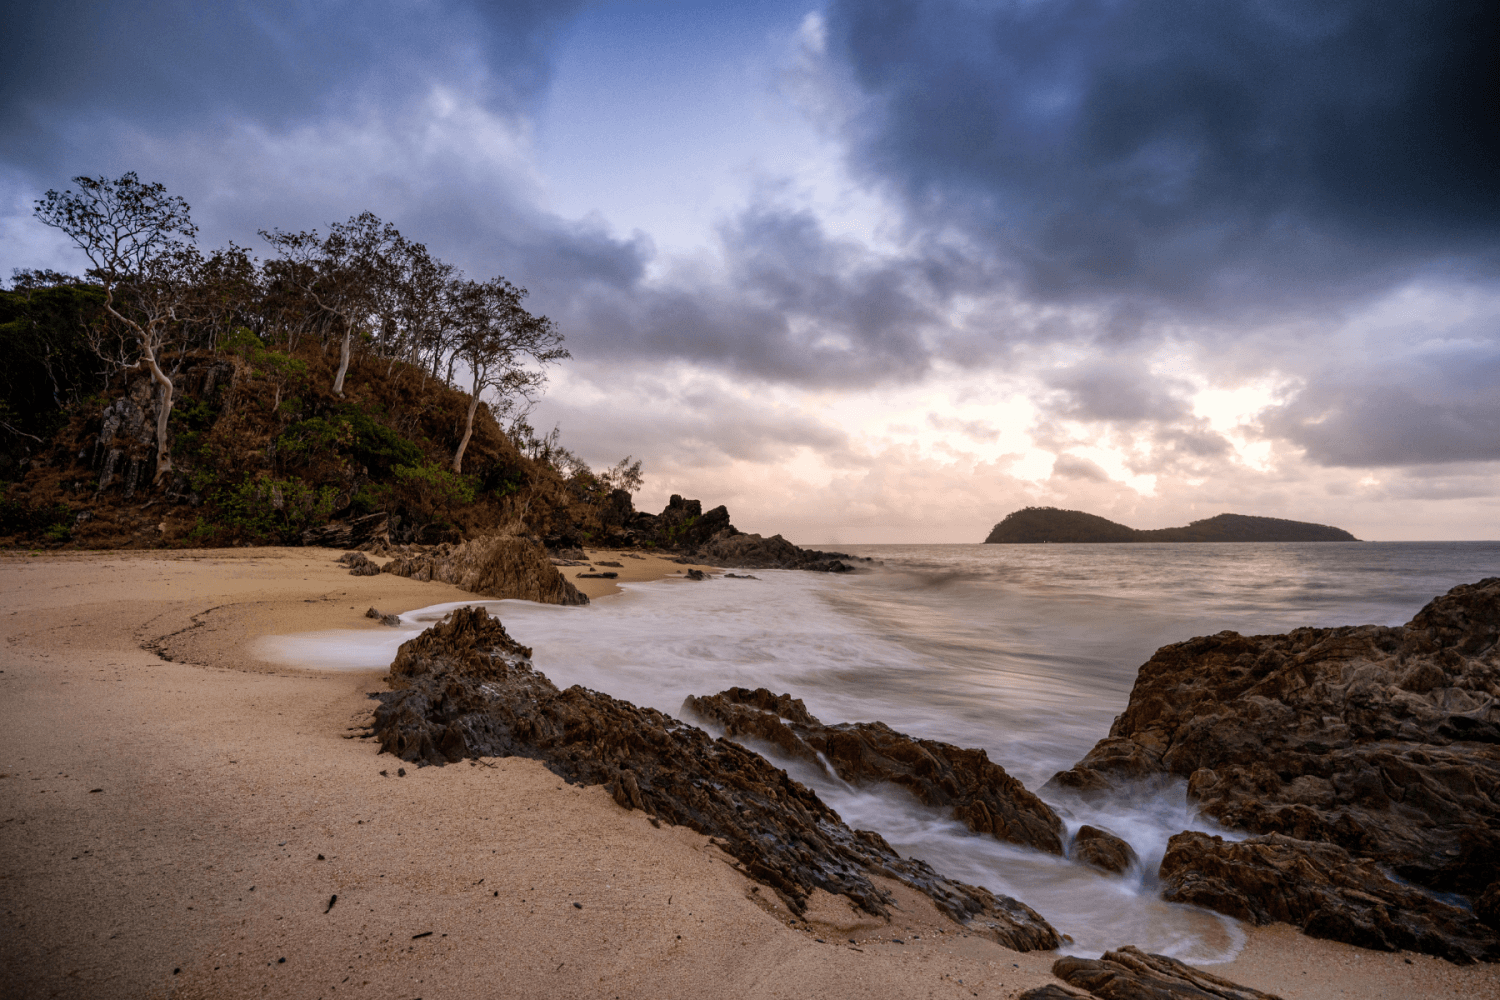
458	456
163	414
338	380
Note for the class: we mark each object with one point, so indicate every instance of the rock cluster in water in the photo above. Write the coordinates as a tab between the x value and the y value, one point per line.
464	688
1352	753
963	782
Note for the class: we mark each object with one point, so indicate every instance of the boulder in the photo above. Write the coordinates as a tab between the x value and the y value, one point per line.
1323	890
965	783
465	688
494	566
1131	974
1384	742
1102	849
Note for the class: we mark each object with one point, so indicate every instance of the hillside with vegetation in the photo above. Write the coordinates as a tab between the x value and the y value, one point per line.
172	397
1032	525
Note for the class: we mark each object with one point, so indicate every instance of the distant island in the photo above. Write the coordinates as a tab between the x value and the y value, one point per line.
1031	525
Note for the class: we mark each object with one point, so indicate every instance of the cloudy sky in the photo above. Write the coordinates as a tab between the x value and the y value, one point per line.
881	271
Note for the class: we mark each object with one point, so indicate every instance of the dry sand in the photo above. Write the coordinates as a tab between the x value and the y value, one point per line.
179	828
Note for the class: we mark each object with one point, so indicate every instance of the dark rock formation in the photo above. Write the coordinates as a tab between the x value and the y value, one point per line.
964	782
359	564
350	534
1102	850
1382	741
384	619
493	566
464	688
1323	890
684	527
1053	991
1049	524
1131	974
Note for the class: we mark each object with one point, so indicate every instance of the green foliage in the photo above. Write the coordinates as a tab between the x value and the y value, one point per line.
22	517
49	361
435	488
274	510
352	432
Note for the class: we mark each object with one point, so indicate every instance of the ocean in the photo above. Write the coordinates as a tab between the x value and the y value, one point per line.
1028	651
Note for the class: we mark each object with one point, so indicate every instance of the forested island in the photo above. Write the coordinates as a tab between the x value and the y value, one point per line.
1031	525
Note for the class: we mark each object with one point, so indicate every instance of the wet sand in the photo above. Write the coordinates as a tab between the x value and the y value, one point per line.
161	821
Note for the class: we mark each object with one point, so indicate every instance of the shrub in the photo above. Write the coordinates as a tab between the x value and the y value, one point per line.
275	510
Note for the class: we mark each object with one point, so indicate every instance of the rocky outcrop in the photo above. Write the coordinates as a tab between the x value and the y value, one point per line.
1384	742
1102	849
735	548
464	688
350	534
1131	974
359	564
1324	891
963	782
709	537
494	566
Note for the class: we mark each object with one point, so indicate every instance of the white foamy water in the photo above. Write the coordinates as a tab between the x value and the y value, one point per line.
1026	651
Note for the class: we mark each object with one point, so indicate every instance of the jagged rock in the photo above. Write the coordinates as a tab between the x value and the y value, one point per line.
1324	891
1382	741
384	619
494	566
1052	991
1102	850
359	564
684	527
349	534
1131	974
731	547
464	688
965	782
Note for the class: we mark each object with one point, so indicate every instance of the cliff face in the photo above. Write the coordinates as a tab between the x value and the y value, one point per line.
1049	524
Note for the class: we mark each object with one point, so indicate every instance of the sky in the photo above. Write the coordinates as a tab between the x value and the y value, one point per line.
880	271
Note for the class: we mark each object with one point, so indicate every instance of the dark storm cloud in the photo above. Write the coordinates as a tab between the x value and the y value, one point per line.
793	306
1187	152
177	66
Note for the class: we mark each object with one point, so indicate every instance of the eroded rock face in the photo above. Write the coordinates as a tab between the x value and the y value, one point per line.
494	566
1131	974
464	688
350	534
965	782
1384	742
1322	889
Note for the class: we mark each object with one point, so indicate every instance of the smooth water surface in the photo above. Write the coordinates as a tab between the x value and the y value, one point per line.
1026	651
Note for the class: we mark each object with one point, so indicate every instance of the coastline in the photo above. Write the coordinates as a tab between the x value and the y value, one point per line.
220	771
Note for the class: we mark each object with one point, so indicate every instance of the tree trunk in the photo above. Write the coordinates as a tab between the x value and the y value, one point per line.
458	456
338	380
163	414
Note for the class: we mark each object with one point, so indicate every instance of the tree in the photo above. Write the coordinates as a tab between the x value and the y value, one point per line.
496	339
138	240
346	273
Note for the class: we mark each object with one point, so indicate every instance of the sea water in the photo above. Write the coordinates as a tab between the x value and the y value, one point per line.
1026	651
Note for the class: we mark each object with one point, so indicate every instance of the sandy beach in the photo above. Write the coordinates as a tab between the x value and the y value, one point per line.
181	819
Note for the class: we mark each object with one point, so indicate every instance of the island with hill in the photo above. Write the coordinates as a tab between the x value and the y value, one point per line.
1032	525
